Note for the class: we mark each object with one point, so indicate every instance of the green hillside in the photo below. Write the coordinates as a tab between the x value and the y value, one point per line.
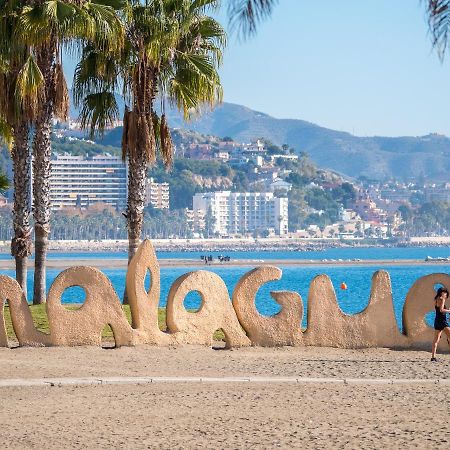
374	157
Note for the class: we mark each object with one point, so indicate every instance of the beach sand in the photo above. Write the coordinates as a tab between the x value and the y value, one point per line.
224	415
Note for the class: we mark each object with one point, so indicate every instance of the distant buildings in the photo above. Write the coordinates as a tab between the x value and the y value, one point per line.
273	158
233	152
367	209
348	215
77	181
157	194
195	219
438	193
280	185
399	195
242	213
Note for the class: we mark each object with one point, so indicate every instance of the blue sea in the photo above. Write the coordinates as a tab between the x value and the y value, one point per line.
295	278
384	253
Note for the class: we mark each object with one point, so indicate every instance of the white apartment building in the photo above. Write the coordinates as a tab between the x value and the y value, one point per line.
77	181
244	212
157	194
195	219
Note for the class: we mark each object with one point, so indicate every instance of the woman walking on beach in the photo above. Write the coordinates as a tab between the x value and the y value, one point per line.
440	321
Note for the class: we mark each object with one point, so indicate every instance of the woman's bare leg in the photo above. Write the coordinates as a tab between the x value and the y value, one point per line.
437	337
447	332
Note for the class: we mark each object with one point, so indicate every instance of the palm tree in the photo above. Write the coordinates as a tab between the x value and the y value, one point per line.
46	26
19	95
173	52
15	135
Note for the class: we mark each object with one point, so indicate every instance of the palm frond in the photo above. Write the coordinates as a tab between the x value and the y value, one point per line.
61	94
96	71
194	82
156	129
439	23
91	21
204	5
6	133
98	111
104	27
245	15
117	5
39	22
29	89
148	142
166	142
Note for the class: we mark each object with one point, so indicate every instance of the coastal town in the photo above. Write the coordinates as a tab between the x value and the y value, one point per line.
235	190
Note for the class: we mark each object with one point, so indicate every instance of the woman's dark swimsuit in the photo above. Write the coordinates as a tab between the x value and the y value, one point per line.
440	322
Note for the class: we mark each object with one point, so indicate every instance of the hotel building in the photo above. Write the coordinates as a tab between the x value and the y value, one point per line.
195	219
241	213
157	194
77	181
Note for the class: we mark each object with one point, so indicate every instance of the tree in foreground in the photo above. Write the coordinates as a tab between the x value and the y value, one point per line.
19	96
172	54
46	27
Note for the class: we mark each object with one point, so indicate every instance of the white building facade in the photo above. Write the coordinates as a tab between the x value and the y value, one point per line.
77	181
157	194
244	212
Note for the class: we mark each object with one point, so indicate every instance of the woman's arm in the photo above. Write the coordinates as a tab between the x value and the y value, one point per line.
440	302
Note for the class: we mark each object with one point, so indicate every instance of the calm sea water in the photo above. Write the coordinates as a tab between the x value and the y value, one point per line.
332	253
351	301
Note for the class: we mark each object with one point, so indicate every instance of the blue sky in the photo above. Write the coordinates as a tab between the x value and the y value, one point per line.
362	66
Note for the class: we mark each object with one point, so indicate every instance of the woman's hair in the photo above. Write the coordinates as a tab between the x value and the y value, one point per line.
440	291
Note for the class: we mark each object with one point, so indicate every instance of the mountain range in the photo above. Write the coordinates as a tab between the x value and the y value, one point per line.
376	157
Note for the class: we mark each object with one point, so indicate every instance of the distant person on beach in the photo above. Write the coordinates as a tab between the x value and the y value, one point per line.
440	321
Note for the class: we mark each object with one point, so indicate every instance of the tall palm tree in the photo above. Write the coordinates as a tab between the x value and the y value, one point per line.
173	53
47	25
19	95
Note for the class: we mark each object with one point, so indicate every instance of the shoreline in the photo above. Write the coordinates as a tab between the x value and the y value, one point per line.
236	244
122	263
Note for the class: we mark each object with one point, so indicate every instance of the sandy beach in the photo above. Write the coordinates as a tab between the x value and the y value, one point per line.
224	415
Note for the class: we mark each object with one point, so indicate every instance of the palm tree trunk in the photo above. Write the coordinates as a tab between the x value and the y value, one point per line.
141	151
41	204
137	177
41	173
21	243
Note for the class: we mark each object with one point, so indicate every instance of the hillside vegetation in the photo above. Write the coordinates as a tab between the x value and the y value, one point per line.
373	157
